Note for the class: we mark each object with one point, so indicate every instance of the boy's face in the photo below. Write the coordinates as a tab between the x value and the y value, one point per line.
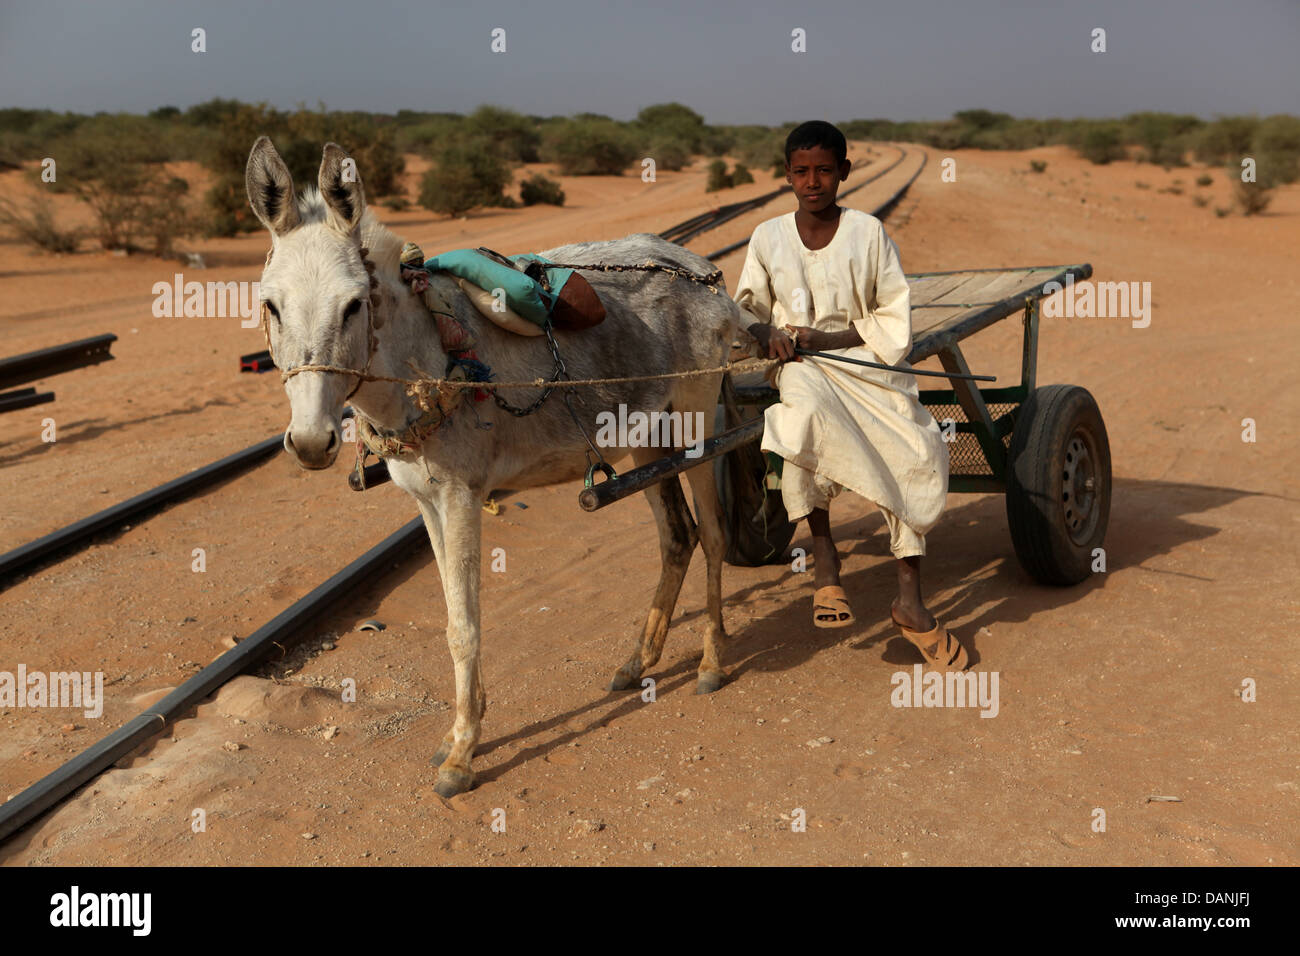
816	177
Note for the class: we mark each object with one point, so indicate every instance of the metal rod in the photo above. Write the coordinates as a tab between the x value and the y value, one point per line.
78	532
638	479
893	368
31	366
23	398
51	789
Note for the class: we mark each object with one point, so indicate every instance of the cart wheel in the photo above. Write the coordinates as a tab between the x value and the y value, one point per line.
757	528
1058	485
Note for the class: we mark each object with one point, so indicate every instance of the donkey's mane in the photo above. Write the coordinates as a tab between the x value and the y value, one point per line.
385	246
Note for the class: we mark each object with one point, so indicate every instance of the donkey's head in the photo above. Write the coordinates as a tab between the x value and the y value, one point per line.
316	290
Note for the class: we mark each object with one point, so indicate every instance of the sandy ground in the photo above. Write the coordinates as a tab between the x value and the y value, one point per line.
1124	687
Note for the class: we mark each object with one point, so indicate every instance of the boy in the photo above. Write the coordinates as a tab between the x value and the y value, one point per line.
828	278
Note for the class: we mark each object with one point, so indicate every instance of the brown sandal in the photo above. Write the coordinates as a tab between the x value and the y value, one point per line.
939	648
831	607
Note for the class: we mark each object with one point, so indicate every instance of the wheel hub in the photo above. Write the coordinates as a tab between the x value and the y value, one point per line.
1079	483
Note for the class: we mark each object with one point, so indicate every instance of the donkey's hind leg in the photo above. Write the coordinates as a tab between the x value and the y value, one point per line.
677	540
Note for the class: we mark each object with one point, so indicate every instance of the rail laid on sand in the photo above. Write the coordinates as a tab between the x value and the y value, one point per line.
24	557
31	366
51	789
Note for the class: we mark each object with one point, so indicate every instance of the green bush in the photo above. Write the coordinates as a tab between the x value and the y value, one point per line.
1163	137
669	154
1101	145
1204	179
538	189
466	174
718	178
298	137
676	123
1252	198
589	147
1276	147
512	135
1038	165
741	175
115	171
1224	139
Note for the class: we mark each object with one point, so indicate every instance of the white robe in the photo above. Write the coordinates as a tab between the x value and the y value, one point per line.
862	428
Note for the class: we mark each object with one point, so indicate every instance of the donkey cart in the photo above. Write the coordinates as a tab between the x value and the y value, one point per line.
1045	448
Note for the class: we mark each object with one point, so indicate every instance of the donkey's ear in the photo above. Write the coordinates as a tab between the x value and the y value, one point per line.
270	188
340	185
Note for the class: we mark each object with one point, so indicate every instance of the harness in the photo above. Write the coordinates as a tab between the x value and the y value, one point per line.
439	398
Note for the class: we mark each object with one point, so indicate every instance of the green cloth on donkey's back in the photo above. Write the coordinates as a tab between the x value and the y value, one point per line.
524	296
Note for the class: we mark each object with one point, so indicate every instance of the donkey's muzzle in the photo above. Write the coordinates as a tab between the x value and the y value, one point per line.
314	448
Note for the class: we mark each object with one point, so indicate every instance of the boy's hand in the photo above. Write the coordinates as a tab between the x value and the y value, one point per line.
805	337
775	343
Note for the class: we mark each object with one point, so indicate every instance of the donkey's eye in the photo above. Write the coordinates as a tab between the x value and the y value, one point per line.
275	313
352	309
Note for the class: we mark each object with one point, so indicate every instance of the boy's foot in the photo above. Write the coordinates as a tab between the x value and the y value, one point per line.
913	617
939	648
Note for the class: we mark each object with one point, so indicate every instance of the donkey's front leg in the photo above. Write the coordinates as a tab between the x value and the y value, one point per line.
455	525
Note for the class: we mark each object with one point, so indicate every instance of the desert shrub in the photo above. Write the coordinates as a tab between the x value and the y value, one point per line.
396	202
1204	179
1038	165
588	146
1221	211
1163	137
669	154
115	171
1141	185
1252	198
761	148
675	123
538	189
162	216
741	175
1101	144
1224	139
466	173
1276	147
298	137
36	225
513	135
718	178
426	132
1201	201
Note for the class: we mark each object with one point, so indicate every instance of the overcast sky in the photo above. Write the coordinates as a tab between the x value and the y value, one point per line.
730	60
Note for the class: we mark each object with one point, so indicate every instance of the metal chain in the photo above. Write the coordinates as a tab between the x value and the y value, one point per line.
559	372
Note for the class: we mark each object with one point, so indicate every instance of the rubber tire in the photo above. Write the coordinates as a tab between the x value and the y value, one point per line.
739	474
1043	427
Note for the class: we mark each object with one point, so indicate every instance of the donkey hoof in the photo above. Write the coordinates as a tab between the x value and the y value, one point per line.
708	682
452	781
622	680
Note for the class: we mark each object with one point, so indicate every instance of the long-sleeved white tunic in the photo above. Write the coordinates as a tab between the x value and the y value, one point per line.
860	427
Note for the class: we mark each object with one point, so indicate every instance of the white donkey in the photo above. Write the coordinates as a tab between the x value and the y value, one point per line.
322	311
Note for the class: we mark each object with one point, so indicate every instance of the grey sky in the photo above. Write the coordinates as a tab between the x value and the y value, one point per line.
730	61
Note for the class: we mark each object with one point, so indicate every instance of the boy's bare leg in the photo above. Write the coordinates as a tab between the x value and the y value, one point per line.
908	606
826	561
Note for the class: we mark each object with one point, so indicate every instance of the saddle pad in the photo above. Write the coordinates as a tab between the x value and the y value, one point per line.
524	296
